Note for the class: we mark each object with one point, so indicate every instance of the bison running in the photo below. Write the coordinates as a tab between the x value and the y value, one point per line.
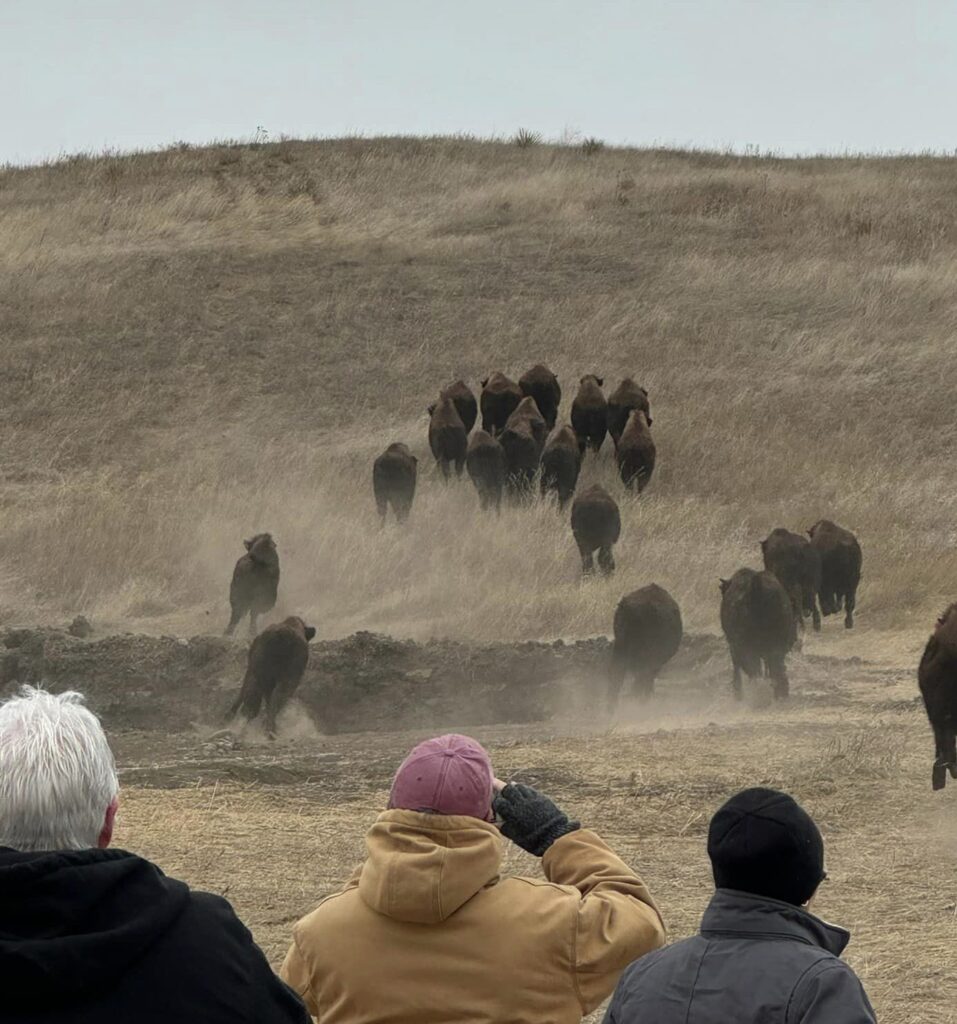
596	524
447	437
527	411
465	404
636	452
485	461
590	413
498	400
647	636
627	397
275	664
758	622
393	481
542	385
255	582
522	452
797	565
840	568
937	677
561	464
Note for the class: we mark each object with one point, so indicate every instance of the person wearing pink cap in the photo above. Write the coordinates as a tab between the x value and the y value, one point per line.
428	931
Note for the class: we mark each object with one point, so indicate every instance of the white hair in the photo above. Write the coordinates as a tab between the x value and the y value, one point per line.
57	774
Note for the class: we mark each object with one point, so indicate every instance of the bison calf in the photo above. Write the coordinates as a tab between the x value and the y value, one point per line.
636	452
758	622
393	481
937	677
497	401
447	437
485	461
561	464
255	582
647	636
275	664
840	568
590	414
627	397
596	524
542	385
797	565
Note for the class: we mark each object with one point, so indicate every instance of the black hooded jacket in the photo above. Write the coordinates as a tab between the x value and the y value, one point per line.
756	959
104	936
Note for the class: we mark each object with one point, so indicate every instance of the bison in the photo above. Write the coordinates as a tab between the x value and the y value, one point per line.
522	452
647	636
498	400
840	568
758	622
527	411
542	385
465	404
485	461
798	567
627	397
635	452
393	481
596	524
561	463
255	582
447	437
590	414
937	677
275	664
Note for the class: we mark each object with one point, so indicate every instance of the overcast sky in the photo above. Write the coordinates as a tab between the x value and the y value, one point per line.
812	76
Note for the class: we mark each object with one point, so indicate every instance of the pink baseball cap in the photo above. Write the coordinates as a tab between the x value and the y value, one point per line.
450	774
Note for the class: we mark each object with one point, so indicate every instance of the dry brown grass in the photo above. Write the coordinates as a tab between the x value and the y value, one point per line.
198	344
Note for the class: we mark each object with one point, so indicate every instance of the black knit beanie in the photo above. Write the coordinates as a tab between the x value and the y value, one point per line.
762	842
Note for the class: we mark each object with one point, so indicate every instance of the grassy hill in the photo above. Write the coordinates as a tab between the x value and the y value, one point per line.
199	344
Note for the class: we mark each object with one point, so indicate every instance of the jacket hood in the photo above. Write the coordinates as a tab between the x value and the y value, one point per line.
743	913
72	922
423	867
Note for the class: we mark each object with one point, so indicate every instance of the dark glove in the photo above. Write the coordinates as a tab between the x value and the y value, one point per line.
530	819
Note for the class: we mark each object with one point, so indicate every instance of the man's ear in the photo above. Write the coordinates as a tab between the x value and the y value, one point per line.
106	833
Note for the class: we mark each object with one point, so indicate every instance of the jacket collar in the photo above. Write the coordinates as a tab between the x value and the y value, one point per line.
742	913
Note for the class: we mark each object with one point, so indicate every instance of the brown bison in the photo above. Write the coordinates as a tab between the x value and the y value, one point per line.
393	481
447	437
798	567
522	452
937	677
485	461
255	582
275	664
498	400
758	622
840	568
561	464
627	397
465	404
596	524
647	636
542	385
636	452
527	411
590	413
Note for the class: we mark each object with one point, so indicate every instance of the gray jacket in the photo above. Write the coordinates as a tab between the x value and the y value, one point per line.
756	961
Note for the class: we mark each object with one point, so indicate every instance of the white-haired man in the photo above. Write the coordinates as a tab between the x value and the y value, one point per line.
91	934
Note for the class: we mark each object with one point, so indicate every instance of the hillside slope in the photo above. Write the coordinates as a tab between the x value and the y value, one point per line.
200	344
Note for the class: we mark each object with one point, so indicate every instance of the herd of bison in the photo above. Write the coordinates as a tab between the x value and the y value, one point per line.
520	442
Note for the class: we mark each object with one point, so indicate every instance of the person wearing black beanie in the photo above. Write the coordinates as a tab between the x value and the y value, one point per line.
760	954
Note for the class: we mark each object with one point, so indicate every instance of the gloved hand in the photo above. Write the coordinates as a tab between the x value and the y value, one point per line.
530	819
